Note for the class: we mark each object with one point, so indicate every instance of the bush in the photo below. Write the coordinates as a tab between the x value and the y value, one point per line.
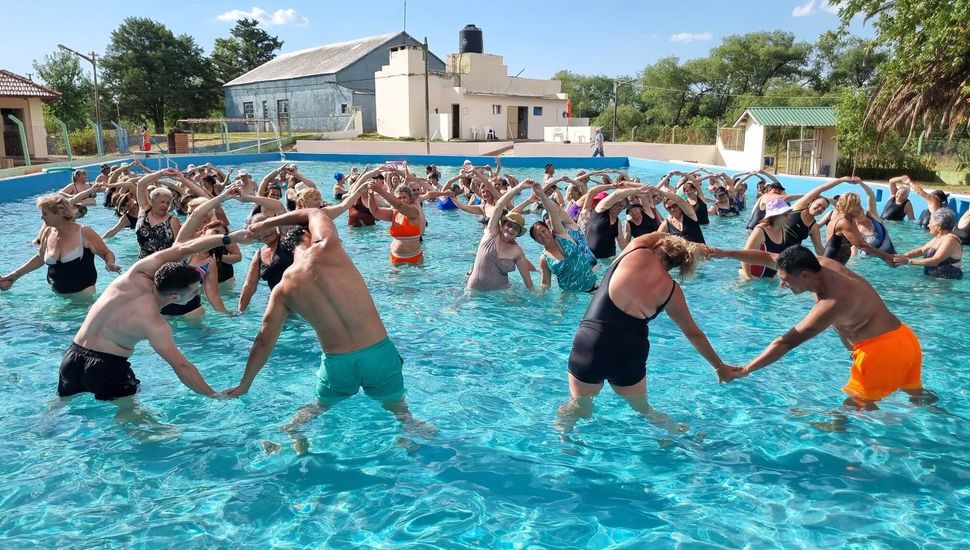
893	158
82	142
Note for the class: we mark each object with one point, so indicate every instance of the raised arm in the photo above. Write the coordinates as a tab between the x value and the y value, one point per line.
501	205
685	206
267	179
587	199
356	190
873	205
141	193
615	197
808	198
203	213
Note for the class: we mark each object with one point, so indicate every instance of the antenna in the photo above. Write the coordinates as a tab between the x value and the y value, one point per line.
405	15
518	73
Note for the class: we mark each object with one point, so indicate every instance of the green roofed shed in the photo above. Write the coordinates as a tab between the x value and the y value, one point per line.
789	116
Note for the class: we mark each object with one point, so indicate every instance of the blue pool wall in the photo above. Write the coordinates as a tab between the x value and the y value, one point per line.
17	188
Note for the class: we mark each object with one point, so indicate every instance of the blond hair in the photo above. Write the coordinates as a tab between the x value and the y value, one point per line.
59	205
847	202
678	252
306	194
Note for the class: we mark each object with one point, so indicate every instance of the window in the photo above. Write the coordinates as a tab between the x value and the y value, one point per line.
496	109
537	111
265	110
248	109
343	108
283	108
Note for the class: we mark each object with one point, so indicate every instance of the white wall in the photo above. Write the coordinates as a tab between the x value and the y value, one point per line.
482	82
577	134
704	154
752	157
391	148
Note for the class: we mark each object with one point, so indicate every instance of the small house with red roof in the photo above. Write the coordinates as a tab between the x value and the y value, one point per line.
24	99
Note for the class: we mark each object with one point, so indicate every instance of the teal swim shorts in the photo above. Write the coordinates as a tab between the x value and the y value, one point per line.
377	369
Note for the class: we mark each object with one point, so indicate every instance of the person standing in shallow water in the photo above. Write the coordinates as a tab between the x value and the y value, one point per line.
128	312
612	342
886	354
325	288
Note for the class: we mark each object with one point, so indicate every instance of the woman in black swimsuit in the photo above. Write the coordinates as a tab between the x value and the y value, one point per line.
898	206
127	210
612	342
682	220
67	248
269	263
942	257
156	227
769	236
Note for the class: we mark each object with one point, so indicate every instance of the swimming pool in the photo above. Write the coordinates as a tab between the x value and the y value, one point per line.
488	370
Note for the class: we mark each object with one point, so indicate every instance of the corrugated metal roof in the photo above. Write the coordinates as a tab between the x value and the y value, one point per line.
790	116
14	85
327	59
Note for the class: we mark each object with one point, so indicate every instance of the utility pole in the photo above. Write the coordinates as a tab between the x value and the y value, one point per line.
427	103
93	60
615	100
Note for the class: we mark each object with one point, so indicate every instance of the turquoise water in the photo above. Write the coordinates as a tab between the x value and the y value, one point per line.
488	370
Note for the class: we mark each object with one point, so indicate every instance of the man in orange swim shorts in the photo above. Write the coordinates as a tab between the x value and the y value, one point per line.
886	354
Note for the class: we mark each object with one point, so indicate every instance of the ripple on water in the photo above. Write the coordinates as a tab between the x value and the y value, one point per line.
488	371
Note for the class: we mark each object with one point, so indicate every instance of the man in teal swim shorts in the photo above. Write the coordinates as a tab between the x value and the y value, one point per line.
324	287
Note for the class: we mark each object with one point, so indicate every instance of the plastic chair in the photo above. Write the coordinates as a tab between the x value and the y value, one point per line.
489	133
476	132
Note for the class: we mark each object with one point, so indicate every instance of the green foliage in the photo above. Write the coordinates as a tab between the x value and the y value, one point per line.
925	80
82	141
963	157
843	60
591	95
248	47
156	75
851	134
61	71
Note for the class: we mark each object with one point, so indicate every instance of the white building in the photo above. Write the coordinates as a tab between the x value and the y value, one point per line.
475	98
24	99
814	152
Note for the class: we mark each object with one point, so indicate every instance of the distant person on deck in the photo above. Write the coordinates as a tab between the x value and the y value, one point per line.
598	143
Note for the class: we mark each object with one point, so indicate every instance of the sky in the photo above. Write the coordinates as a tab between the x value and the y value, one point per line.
608	37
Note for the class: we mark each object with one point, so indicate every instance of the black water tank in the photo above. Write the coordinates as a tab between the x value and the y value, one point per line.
470	40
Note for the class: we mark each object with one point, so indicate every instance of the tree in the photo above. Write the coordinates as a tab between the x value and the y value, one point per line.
61	71
667	93
925	82
851	133
156	75
248	47
843	60
591	95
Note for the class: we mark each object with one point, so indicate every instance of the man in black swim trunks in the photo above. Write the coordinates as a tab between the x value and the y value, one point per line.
128	312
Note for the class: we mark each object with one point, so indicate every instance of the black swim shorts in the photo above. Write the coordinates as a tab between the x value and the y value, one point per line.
105	375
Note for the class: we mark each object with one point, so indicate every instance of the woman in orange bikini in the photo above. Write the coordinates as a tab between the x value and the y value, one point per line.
407	223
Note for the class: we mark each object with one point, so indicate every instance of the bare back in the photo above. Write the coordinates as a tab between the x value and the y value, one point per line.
860	313
122	316
324	287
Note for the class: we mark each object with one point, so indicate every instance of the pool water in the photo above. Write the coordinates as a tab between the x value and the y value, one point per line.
489	372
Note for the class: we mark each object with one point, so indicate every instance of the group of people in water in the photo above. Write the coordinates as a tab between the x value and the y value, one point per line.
578	226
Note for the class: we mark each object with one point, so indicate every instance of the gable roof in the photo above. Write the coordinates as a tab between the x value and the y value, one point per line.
320	60
14	85
789	116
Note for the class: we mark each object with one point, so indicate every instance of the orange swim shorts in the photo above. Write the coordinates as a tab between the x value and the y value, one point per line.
886	363
416	259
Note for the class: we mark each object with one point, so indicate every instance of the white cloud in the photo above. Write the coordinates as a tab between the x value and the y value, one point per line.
806	9
686	37
830	6
288	16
